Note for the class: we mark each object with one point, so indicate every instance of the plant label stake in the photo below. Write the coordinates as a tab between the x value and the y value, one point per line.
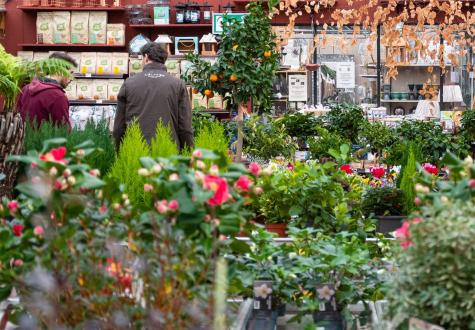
327	317
263	317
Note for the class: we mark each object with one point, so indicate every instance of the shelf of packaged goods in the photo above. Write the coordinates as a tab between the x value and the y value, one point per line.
99	76
399	101
69	46
144	26
92	102
45	8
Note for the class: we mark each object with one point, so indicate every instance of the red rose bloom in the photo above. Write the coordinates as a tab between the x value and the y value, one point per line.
220	188
431	169
243	183
346	168
377	172
17	229
55	155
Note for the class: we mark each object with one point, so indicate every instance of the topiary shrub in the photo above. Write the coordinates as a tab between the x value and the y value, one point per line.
436	277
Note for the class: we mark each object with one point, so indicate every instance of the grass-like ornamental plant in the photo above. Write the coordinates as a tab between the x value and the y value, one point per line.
213	137
162	144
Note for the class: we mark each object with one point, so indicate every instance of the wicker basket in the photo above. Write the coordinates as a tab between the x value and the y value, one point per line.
12	134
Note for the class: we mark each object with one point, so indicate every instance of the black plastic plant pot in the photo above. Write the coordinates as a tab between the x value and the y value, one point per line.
388	224
281	309
328	320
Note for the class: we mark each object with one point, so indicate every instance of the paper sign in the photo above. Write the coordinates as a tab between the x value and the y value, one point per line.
220	18
345	75
298	88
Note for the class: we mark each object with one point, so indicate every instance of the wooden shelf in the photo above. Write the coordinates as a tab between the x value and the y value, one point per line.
42	8
145	26
92	102
99	76
400	101
68	46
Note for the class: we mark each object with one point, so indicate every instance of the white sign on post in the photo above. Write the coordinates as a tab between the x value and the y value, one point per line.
345	75
297	88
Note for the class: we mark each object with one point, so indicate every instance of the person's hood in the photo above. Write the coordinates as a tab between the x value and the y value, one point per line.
39	86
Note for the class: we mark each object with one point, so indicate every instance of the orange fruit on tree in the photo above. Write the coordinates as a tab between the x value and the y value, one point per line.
208	93
213	78
267	53
235	46
195	91
233	77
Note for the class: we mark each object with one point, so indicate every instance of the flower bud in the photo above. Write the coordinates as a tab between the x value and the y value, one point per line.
200	164
80	153
421	188
72	180
197	153
156	168
173	177
66	172
143	172
444	200
147	187
53	171
95	172
214	170
38	231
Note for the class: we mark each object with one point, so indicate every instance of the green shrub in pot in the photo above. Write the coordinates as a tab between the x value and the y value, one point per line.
376	137
323	142
436	276
383	201
346	120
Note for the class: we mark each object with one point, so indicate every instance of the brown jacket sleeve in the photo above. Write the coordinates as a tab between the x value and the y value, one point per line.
185	128
120	124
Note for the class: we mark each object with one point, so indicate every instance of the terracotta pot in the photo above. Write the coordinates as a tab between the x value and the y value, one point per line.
278	228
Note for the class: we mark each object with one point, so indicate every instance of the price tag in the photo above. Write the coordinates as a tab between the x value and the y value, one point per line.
88	75
98	101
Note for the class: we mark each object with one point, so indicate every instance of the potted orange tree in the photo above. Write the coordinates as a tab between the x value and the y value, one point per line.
244	68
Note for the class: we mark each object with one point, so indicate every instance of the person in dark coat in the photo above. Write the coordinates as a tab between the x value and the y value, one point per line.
154	95
44	99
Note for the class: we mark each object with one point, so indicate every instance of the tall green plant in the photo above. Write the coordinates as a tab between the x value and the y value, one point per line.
213	137
127	164
408	180
162	144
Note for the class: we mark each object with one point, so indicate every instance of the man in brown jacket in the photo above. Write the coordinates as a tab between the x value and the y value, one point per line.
154	95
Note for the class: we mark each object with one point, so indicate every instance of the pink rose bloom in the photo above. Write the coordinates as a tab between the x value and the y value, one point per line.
377	172
18	263
55	155
12	206
197	153
254	168
220	188
431	169
346	168
38	231
161	206
173	205
243	183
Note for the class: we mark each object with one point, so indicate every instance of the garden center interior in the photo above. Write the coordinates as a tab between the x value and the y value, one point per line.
292	164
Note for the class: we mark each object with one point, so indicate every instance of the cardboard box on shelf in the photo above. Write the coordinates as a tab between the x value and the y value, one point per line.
88	62
116	34
62	27
80	27
71	90
26	56
173	67
37	56
215	102
99	89
103	63
97	27
120	63
198	101
44	27
77	57
135	65
113	88
84	89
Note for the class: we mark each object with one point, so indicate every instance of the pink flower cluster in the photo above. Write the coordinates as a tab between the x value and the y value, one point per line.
165	206
404	234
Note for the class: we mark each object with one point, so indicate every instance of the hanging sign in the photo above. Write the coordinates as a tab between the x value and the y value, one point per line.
220	18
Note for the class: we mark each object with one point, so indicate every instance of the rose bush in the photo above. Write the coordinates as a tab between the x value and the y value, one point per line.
82	256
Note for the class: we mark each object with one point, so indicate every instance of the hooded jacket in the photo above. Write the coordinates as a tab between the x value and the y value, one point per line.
44	100
151	96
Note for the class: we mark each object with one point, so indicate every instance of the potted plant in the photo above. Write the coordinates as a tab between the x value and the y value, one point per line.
14	74
467	130
323	142
386	204
346	120
245	67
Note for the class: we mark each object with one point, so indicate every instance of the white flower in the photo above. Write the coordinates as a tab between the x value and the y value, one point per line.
325	293
262	291
156	168
143	172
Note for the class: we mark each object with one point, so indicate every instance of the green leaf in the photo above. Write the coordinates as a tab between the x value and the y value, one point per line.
295	210
147	162
85	144
240	247
53	142
91	182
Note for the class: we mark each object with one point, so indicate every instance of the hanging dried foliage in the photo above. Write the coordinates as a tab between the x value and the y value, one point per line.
438	31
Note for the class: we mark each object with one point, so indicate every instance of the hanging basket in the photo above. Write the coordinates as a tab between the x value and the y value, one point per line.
12	133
